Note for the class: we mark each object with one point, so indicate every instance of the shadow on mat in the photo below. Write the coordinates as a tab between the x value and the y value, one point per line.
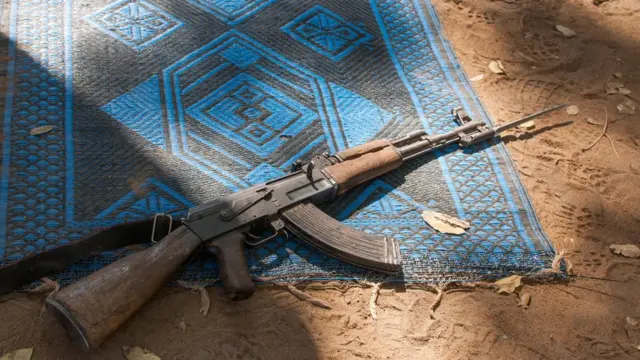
242	330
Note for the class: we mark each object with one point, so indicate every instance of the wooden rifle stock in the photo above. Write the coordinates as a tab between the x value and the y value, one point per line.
95	306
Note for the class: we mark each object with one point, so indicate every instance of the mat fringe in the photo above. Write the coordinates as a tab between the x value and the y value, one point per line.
375	283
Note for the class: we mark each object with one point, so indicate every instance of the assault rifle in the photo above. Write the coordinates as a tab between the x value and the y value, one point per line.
95	306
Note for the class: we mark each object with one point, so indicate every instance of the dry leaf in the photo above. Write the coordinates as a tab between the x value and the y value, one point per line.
528	125
593	121
613	87
573	110
477	78
496	67
445	223
618	75
20	354
509	284
630	251
138	353
525	300
626	108
182	325
41	130
624	91
631	321
565	31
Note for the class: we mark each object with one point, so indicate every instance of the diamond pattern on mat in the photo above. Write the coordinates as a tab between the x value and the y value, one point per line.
327	33
137	23
253	114
232	12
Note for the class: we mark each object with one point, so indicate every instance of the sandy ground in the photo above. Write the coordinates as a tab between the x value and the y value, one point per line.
586	201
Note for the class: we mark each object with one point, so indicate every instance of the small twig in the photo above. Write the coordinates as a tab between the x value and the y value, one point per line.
436	302
306	297
455	290
565	291
602	292
482	56
9	297
522	21
375	290
633	98
526	57
360	342
612	146
590	166
604	130
564	159
596	278
343	288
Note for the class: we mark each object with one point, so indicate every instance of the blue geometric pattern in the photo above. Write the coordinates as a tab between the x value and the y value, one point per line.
141	111
258	109
361	118
137	23
485	203
390	212
232	12
240	56
327	33
253	114
231	109
150	198
32	200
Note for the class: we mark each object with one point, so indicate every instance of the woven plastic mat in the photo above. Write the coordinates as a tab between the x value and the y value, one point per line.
158	105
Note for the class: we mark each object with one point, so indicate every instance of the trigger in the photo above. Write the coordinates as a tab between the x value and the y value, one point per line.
279	228
277	225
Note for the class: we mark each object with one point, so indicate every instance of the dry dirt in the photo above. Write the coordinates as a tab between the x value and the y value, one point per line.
586	201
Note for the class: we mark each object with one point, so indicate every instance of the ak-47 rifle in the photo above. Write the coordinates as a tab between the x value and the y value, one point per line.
95	306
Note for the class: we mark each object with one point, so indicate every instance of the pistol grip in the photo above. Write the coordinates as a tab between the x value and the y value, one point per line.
234	270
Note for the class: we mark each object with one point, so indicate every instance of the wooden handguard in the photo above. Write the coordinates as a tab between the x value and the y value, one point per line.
354	172
365	148
95	306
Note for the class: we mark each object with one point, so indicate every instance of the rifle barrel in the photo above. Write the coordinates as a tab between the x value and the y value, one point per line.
515	123
418	142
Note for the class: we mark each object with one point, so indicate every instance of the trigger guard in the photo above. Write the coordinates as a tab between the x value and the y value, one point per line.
277	226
